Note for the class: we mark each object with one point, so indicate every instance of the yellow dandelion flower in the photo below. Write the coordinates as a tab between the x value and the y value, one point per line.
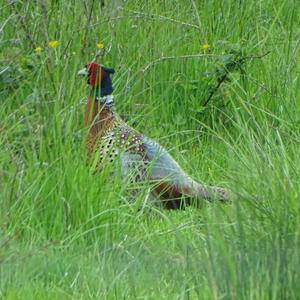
38	49
53	44
205	46
100	45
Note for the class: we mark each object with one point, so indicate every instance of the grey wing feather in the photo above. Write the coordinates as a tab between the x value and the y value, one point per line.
163	167
162	164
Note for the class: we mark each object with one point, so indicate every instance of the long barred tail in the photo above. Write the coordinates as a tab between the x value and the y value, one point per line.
209	192
172	194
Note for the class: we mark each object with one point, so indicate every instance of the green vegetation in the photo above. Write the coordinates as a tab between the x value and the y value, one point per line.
66	233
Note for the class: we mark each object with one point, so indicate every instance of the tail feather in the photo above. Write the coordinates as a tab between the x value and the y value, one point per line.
193	191
208	192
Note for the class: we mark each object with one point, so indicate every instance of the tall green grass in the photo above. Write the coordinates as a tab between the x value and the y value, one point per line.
66	233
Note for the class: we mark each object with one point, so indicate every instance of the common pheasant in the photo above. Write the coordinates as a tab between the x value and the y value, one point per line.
109	137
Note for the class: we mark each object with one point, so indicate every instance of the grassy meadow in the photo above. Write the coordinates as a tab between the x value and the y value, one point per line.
216	83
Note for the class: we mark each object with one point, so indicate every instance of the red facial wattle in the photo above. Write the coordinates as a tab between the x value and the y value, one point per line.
96	74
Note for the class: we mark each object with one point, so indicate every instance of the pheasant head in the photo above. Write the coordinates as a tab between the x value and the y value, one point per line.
99	79
100	94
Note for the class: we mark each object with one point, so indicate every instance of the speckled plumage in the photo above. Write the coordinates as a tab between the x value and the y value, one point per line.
110	134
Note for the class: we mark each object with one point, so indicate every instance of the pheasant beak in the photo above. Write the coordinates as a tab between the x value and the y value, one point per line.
83	72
